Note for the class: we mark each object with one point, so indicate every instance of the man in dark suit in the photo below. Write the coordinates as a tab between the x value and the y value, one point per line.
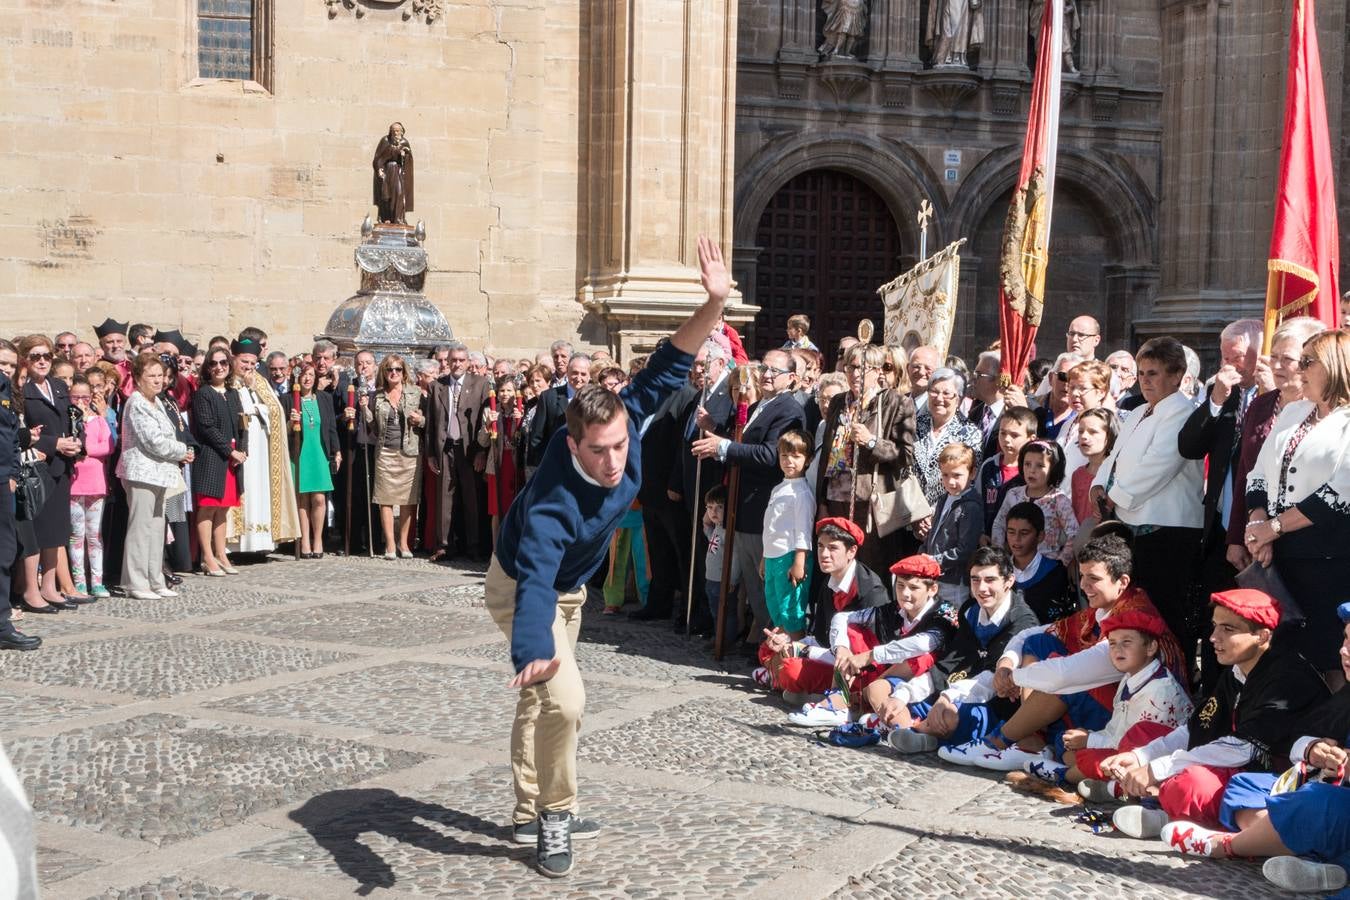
553	406
708	396
757	455
664	521
1211	433
457	403
988	405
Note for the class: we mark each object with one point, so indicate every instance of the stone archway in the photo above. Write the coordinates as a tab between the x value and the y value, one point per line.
1103	250
829	241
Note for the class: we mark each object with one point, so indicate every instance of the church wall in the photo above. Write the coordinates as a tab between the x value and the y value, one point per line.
135	189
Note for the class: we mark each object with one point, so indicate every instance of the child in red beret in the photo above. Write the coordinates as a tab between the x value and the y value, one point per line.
1245	724
1149	703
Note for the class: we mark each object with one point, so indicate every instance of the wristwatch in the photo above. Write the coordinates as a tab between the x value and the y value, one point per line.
1275	526
872	444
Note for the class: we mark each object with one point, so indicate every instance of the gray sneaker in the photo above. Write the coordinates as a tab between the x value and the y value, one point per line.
1303	876
554	848
907	740
528	832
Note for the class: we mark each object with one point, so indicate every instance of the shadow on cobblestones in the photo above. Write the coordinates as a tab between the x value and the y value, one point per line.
337	819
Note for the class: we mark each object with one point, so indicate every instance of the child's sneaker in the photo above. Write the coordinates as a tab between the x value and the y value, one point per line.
553	851
819	715
1096	791
1191	839
80	588
1303	876
962	754
762	677
1047	770
1010	759
99	592
907	740
1139	821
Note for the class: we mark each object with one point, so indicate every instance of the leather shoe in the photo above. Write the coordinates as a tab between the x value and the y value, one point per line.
64	604
81	601
47	610
17	640
173	580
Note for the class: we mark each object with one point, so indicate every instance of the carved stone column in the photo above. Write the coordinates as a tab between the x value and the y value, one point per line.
658	140
1223	100
797	52
1003	58
893	44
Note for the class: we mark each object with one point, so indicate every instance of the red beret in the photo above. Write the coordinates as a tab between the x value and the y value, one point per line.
845	524
1145	622
1256	607
920	565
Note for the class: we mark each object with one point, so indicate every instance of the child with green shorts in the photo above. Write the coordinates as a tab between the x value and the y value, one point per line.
788	523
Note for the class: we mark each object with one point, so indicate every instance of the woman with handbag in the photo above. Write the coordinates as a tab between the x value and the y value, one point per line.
1298	497
218	472
150	468
868	448
397	416
46	403
319	457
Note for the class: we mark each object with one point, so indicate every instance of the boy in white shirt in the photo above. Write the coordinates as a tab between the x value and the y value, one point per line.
789	519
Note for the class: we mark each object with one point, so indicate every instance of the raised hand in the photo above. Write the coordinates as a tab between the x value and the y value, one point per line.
713	269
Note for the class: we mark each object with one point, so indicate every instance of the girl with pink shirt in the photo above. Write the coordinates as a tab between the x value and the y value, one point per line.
88	489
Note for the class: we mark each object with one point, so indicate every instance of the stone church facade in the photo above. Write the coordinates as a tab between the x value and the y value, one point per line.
205	164
1169	140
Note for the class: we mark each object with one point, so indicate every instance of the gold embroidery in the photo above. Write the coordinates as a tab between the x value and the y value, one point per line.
1210	710
958	676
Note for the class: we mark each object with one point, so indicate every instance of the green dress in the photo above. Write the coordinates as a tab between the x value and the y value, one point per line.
314	475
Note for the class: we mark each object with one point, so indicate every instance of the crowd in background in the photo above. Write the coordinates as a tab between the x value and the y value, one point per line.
895	497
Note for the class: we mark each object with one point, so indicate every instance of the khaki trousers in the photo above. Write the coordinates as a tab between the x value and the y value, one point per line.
548	715
143	565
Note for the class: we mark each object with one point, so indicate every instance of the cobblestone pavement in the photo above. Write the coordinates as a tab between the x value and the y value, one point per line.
337	728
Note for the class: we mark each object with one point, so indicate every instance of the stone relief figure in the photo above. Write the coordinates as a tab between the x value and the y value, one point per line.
845	22
393	180
1073	27
954	27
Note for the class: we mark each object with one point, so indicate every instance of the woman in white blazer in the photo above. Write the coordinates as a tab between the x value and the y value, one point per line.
1298	499
150	466
1157	492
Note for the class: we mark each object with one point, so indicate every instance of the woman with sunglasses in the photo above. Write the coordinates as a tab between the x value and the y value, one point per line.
218	472
46	404
869	434
397	417
1298	497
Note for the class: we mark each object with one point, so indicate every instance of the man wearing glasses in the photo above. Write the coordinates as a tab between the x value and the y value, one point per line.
65	345
757	454
1083	336
279	372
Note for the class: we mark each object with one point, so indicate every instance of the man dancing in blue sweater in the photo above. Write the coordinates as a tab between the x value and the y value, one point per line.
554	537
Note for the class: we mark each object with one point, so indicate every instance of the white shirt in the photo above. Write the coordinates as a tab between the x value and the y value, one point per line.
1168	756
1153	484
1322	459
1152	698
789	518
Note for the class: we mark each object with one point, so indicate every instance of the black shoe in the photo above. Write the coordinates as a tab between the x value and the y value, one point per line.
81	601
49	610
173	580
64	605
17	640
553	849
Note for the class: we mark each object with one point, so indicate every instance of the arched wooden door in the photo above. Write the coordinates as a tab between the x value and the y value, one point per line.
829	242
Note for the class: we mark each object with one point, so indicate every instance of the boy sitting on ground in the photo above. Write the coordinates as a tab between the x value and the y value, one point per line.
986	622
802	668
1246	724
901	640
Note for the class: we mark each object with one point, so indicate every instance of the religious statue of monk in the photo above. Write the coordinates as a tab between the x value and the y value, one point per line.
954	27
393	187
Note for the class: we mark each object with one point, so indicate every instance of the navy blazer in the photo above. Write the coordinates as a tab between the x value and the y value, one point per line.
550	416
1204	435
757	455
52	416
723	412
957	537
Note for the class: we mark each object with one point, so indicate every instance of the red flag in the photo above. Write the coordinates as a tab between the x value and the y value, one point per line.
1026	233
1305	256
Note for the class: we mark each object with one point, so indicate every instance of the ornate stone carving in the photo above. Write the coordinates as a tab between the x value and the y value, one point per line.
951	86
844	77
429	10
1006	95
845	24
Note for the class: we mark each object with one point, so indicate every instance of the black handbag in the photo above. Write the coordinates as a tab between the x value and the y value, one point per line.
32	488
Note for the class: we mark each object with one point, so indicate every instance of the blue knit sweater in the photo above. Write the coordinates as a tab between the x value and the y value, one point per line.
557	531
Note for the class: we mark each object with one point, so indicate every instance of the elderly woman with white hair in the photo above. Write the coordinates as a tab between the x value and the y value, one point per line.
941	423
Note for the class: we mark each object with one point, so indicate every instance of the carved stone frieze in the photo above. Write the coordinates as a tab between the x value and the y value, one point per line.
429	10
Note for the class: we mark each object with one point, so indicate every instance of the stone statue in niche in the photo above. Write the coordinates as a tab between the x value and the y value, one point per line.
954	27
393	179
845	22
1073	27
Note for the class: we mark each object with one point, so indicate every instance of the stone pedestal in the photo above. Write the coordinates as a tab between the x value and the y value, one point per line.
389	313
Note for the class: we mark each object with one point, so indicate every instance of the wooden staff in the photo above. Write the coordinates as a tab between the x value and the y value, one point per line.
351	464
695	525
296	438
733	495
864	339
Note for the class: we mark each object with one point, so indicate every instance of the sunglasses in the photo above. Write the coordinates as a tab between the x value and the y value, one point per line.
1061	376
887	367
38	356
218	364
1304	362
395	369
65	346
